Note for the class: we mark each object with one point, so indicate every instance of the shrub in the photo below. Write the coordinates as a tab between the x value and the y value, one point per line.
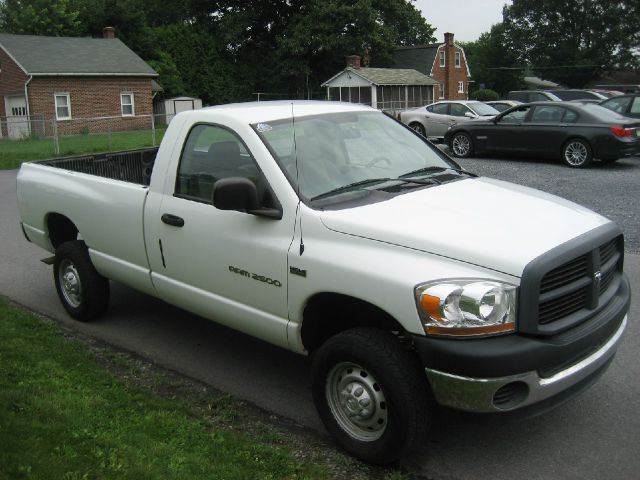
485	95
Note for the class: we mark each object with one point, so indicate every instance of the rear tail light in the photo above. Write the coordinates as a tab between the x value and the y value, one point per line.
621	131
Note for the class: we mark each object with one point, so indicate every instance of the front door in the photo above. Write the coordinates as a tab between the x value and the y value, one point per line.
229	266
17	119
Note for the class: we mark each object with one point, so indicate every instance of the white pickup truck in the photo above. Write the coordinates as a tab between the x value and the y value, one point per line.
333	230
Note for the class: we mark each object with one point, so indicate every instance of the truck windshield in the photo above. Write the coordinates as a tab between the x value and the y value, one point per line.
335	150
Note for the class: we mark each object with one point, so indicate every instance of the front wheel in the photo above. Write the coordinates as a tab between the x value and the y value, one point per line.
371	394
461	145
418	128
84	293
577	153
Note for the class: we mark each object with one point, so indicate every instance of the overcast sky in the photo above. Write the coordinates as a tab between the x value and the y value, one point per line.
467	19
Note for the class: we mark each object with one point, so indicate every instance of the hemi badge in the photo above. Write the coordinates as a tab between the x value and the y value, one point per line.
298	271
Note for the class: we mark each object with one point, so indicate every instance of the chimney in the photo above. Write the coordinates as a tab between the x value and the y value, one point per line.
108	32
448	38
353	61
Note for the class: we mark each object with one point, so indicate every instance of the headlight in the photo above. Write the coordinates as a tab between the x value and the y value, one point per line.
467	307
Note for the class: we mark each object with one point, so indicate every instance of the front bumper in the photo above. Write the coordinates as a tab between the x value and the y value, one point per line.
520	390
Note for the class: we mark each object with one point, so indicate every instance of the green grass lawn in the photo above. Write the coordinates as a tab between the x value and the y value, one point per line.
14	152
64	416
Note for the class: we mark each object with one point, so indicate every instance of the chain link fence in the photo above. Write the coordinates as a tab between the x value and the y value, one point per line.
35	137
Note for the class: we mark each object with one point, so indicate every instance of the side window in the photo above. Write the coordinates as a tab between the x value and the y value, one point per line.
458	110
537	97
635	107
440	108
211	153
429	108
570	117
547	114
619	105
516	116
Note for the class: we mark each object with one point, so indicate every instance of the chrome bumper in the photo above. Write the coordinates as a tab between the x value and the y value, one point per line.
516	391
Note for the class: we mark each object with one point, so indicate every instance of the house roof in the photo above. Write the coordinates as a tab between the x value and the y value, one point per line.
38	55
418	57
388	76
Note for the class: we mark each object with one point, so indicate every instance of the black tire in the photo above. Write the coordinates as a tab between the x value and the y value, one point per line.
363	367
577	153
418	128
84	293
461	145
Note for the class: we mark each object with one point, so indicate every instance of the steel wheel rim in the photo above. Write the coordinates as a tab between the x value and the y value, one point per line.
418	128
461	145
70	284
576	153
356	401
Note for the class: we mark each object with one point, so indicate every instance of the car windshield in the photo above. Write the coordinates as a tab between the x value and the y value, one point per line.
348	151
482	109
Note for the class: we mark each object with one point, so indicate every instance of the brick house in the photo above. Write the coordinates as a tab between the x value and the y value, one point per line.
444	62
65	79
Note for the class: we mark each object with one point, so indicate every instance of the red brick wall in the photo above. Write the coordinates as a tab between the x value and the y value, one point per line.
449	74
92	97
12	79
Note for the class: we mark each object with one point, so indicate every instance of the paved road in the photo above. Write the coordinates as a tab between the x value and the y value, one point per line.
595	436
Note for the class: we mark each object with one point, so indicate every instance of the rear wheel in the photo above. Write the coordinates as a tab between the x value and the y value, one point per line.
418	128
84	293
371	394
461	145
577	153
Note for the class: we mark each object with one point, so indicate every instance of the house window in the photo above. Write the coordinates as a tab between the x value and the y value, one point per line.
442	58
63	106
441	90
457	60
126	102
460	87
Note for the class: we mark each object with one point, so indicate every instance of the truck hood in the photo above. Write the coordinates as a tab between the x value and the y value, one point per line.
482	221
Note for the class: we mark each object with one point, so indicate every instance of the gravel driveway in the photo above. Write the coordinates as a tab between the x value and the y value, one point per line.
611	190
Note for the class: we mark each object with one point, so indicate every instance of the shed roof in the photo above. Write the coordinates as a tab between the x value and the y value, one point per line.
388	76
38	55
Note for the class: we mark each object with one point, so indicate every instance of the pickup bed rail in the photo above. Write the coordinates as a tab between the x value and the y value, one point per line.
133	166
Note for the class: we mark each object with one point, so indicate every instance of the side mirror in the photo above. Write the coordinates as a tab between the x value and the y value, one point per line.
469	115
240	194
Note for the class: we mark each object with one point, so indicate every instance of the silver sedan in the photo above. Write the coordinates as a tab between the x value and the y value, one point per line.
432	121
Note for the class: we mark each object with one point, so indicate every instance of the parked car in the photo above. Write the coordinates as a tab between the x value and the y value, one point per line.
627	105
527	96
502	105
573	132
333	231
577	94
606	93
432	121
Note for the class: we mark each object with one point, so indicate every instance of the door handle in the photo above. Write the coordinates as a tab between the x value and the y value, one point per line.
173	220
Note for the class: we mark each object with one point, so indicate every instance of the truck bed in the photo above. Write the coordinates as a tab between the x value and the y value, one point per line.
133	166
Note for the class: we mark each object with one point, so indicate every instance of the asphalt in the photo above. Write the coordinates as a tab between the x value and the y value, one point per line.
594	436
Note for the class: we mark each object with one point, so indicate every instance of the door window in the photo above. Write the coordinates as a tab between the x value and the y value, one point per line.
570	116
211	153
439	108
547	114
458	110
516	116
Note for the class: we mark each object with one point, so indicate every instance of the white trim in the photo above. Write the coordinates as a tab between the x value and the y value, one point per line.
58	74
461	87
14	60
68	105
133	104
457	63
440	91
464	55
442	58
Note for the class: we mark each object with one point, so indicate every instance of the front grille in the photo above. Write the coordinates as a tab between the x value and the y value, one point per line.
580	283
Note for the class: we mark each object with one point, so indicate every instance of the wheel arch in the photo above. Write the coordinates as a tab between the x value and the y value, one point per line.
60	229
328	313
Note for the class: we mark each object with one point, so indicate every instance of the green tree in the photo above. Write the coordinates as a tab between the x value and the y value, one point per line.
493	62
39	17
573	41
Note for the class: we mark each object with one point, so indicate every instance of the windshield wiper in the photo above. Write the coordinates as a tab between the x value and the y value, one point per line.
349	186
335	191
435	169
